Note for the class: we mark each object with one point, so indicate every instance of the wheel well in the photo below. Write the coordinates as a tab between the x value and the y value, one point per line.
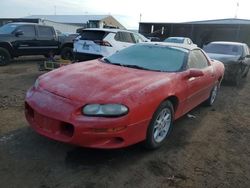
174	100
7	47
220	80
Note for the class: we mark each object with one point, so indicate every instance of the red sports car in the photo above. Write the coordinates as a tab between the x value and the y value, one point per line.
129	97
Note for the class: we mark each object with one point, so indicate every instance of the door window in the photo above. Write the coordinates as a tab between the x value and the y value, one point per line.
137	38
45	31
197	60
28	30
124	37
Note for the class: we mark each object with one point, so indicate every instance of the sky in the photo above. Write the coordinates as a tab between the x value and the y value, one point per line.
128	11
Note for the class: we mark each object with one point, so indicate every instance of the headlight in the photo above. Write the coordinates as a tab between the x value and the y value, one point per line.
36	84
113	110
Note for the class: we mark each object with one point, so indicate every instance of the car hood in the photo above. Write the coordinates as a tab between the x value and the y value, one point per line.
94	81
224	58
5	35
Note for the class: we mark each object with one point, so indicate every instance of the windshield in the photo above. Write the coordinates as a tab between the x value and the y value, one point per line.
150	57
7	29
227	49
174	40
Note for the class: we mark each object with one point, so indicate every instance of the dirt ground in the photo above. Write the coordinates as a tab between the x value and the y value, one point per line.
211	150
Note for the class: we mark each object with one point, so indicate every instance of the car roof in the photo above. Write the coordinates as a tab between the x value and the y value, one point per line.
23	23
176	38
180	45
228	43
108	30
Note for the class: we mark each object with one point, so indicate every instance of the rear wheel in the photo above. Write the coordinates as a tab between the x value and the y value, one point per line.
67	53
4	57
160	125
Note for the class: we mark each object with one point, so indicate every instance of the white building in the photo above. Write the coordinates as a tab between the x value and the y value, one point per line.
70	23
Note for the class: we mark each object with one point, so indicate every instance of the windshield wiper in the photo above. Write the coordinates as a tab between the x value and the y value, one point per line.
136	67
130	66
142	68
106	60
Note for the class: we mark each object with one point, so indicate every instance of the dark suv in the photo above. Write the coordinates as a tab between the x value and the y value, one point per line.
19	39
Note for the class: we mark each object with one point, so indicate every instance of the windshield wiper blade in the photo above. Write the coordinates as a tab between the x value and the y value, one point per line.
136	67
141	68
106	60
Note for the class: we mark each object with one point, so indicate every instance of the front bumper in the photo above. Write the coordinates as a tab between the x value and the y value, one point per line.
60	119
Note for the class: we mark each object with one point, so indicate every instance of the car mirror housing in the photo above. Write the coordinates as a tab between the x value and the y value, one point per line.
18	33
195	73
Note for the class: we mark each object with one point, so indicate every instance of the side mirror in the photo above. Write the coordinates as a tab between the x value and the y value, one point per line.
18	33
195	73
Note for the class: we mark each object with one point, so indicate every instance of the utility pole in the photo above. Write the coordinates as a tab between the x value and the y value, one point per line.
140	16
237	9
55	10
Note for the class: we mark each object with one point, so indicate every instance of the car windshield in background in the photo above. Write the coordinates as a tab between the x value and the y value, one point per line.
226	49
174	40
7	29
93	35
150	57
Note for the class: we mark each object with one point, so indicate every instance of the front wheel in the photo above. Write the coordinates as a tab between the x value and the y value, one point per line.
160	125
4	57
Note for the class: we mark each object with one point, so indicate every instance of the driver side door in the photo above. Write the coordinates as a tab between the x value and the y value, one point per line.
25	44
199	88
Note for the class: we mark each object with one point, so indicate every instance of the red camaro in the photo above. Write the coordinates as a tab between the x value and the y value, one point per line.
129	97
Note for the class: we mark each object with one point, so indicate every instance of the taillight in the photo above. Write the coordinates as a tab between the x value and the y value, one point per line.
103	43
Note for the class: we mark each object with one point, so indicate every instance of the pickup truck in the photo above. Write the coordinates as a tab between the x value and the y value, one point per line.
22	39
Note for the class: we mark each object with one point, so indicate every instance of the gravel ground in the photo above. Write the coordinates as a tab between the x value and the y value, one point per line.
210	150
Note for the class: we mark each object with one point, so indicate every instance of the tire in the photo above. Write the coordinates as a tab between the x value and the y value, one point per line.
237	78
160	126
213	95
245	75
67	53
4	57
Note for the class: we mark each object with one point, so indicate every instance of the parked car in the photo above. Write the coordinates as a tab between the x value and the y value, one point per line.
180	40
96	43
154	39
131	96
19	39
235	57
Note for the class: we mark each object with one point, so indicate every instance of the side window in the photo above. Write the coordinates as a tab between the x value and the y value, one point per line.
197	60
246	50
118	37
124	37
45	32
137	38
28	30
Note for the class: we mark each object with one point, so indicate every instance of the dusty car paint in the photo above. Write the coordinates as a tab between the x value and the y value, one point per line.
53	107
